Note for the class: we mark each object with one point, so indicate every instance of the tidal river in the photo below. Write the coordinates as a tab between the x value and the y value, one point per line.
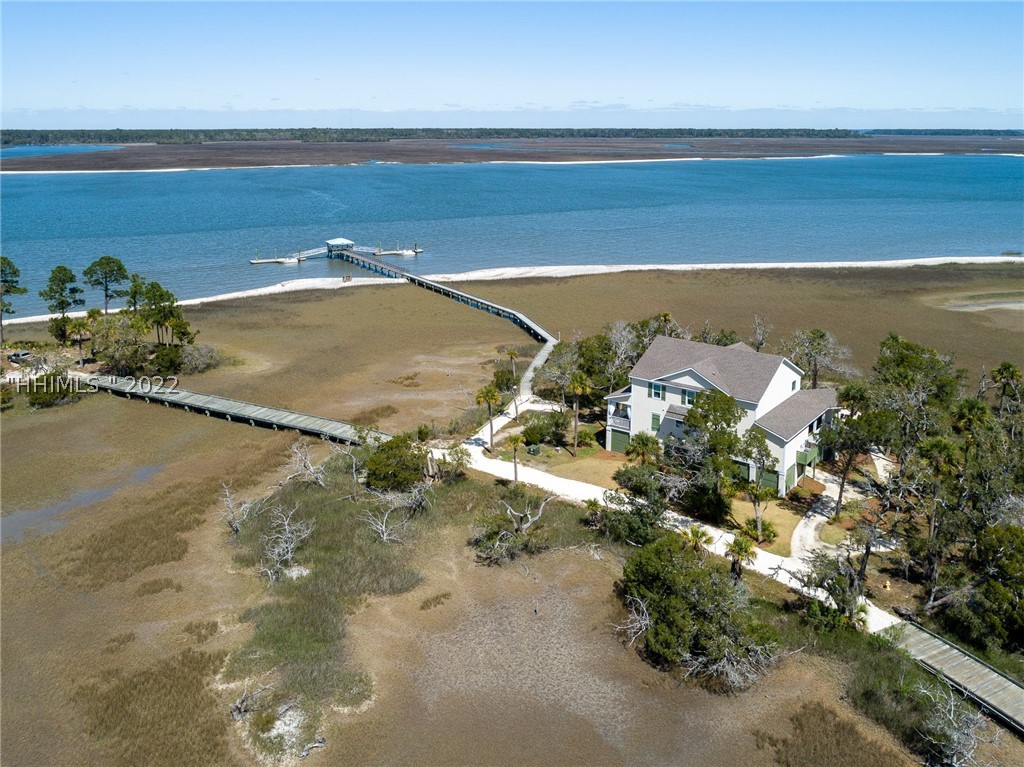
195	231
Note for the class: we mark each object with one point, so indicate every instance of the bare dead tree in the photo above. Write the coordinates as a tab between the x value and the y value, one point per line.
247	702
524	520
356	463
388	524
953	729
622	343
394	510
280	544
761	330
237	512
638	622
985	383
320	742
303	468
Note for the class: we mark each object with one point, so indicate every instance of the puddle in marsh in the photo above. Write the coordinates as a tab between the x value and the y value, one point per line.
46	519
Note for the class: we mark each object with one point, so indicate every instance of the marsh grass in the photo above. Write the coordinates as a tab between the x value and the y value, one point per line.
159	716
882	678
117	643
201	631
156	585
146	538
373	416
435	601
822	738
298	633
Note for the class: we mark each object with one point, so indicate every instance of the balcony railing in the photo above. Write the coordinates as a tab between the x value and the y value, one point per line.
618	422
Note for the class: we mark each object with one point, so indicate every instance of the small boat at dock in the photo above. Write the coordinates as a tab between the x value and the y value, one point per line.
415	250
282	260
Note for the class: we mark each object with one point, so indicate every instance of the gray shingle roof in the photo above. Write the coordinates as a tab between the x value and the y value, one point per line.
794	415
737	370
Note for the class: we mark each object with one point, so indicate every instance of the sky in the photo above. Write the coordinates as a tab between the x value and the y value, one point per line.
522	64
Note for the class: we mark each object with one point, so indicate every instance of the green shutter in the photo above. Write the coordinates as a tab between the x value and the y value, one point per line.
655	422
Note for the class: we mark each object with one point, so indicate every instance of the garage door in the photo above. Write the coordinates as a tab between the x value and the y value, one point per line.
620	441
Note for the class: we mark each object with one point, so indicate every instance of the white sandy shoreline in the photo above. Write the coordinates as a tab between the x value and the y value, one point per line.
534	272
623	161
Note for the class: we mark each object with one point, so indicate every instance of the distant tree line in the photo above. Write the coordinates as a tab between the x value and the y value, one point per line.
941	132
315	135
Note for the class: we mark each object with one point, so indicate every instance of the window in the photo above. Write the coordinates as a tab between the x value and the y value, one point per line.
655	422
689	397
679	424
794	386
656	391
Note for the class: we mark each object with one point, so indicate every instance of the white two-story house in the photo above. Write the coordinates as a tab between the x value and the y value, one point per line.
666	379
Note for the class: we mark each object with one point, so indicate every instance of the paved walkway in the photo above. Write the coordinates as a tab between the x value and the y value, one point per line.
782	569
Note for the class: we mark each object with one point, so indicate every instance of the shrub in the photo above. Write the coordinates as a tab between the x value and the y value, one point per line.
58	328
51	390
197	358
504	380
694	616
398	464
768	531
422	432
6	398
166	361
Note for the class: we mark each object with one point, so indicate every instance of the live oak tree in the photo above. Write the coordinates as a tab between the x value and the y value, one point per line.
696	616
9	278
106	273
711	423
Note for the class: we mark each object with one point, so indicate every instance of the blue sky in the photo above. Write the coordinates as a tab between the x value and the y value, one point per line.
667	64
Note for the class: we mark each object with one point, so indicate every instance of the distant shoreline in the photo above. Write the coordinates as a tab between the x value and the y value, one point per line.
555	272
501	162
271	154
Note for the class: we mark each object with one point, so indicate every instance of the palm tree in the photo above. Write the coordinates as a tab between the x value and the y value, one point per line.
512	355
579	386
1006	375
515	441
742	552
969	417
78	329
644	447
489	396
697	539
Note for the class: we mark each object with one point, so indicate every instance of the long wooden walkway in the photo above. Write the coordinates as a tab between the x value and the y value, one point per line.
235	410
1000	696
390	270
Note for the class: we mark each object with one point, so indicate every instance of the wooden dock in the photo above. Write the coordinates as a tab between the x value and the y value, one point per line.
236	411
1000	696
377	266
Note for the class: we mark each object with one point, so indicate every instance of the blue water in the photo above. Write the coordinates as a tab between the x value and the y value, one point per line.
195	231
42	151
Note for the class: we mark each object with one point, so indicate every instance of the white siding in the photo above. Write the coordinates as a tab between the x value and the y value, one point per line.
785	383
